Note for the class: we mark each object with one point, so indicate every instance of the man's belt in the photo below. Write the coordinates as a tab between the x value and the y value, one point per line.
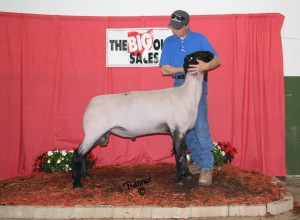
182	76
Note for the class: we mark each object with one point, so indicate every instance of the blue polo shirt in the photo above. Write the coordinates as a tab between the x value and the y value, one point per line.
174	49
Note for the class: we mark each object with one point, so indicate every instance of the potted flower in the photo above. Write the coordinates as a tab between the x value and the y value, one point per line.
58	160
223	152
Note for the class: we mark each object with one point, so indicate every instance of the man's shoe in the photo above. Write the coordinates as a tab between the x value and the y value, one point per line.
194	169
205	178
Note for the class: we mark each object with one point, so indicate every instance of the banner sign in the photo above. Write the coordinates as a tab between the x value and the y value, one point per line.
134	47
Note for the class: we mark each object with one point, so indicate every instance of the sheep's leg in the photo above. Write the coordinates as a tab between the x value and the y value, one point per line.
102	141
186	170
178	143
76	169
79	163
84	172
79	169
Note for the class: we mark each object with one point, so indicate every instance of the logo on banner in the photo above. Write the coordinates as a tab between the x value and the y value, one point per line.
140	43
141	47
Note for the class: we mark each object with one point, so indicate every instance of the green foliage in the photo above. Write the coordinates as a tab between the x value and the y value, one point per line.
223	153
58	160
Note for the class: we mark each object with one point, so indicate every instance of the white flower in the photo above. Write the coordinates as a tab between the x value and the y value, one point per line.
188	157
223	153
63	152
58	161
50	153
49	161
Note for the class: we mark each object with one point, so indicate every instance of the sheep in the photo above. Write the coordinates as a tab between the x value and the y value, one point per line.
135	114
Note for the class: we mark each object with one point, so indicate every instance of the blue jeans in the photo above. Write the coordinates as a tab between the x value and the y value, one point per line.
198	139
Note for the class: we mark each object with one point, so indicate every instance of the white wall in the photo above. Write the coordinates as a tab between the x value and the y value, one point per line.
289	8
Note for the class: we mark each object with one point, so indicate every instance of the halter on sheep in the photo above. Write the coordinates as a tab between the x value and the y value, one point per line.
135	114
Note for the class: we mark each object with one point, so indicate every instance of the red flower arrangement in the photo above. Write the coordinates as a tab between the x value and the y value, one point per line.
58	160
223	152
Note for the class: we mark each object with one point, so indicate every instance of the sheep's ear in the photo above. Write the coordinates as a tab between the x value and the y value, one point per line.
211	56
185	67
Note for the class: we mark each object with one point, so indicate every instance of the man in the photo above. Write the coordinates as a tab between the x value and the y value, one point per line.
175	48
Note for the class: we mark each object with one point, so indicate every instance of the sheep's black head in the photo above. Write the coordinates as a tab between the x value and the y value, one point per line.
205	56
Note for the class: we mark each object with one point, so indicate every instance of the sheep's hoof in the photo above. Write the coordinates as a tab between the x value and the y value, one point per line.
77	185
85	175
179	182
189	177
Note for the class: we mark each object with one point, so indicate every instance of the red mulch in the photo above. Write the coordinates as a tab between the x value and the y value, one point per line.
232	185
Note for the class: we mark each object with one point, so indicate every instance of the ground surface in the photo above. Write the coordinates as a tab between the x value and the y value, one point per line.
141	185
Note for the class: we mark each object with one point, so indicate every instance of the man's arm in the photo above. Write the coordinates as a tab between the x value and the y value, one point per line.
170	70
202	66
214	63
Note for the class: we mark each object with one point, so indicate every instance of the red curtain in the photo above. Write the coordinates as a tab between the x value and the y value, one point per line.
50	67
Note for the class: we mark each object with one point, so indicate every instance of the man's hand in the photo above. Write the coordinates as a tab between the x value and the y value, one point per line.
198	68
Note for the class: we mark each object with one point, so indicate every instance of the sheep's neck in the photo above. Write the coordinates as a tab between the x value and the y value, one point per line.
193	88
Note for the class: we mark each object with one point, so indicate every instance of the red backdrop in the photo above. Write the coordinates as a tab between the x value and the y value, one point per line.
50	67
